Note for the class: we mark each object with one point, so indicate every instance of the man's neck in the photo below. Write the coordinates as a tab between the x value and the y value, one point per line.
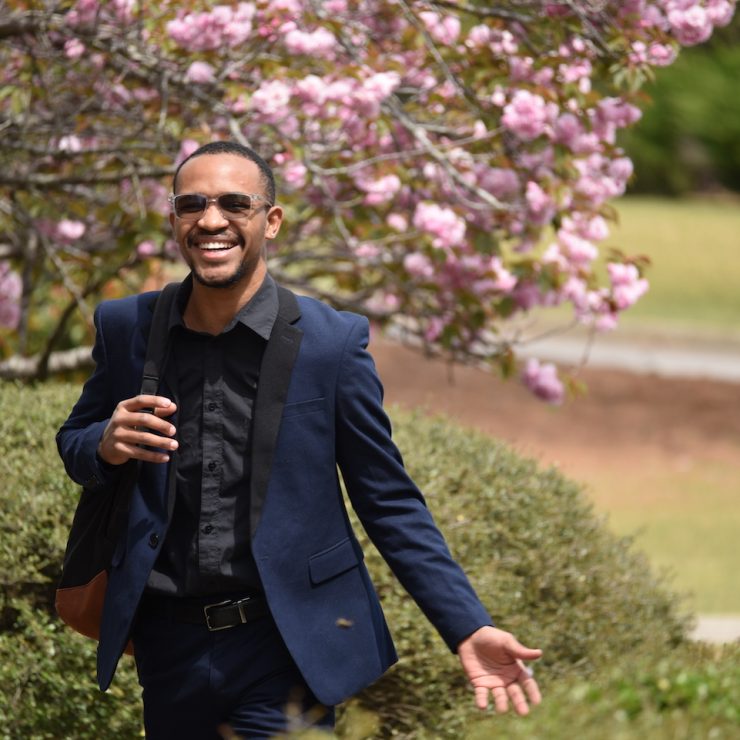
210	310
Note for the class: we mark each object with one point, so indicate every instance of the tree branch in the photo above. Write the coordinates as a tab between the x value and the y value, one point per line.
28	368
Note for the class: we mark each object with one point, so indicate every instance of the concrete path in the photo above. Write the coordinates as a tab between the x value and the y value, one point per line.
687	357
717	628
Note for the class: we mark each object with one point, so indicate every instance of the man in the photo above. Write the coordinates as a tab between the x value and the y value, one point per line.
239	580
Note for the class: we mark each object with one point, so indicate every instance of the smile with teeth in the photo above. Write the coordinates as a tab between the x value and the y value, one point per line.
215	246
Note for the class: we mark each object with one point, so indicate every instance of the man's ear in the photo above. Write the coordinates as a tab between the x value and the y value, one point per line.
172	221
274	220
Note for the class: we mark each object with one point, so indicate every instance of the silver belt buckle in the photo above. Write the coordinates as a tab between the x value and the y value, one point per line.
208	618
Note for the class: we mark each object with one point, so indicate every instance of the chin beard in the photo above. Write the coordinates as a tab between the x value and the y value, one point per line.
230	281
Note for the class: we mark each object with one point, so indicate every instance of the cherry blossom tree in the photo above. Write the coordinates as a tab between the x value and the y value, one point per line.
446	167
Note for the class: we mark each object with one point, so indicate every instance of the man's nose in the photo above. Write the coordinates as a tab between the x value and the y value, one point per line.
212	219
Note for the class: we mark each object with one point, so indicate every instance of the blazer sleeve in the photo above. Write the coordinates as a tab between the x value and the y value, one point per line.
77	439
390	506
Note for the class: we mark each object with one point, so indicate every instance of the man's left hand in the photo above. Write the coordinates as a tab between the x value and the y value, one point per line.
492	660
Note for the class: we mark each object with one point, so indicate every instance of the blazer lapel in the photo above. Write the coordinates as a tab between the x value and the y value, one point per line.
272	389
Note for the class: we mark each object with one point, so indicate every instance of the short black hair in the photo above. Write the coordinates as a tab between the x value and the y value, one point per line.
233	147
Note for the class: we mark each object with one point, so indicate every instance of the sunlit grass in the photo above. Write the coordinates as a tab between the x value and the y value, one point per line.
686	518
694	246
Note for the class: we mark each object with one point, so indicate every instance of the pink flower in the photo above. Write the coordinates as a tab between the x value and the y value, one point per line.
525	115
418	265
567	129
447	228
366	251
271	99
661	55
379	191
83	13
187	147
11	288
146	248
443	29
478	37
201	73
720	12
294	174
627	285
124	10
543	381
73	49
505	281
620	170
397	222
70	143
575	71
318	43
382	84
690	26
312	88
69	231
577	250
223	26
540	204
499	181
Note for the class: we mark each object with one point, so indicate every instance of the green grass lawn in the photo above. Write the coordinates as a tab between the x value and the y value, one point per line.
687	521
694	246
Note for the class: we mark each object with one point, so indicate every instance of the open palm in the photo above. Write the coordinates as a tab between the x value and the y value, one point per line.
492	660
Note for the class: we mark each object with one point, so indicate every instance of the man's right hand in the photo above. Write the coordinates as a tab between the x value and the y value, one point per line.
137	423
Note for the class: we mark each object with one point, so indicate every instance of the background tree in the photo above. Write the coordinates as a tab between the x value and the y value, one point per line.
446	166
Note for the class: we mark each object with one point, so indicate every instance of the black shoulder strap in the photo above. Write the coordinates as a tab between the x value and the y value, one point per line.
156	348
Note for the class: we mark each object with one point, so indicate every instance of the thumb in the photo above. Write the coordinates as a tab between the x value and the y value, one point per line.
521	652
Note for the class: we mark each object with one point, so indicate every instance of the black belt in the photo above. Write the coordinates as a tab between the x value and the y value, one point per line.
218	616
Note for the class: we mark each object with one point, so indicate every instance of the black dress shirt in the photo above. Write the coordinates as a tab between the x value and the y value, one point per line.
214	381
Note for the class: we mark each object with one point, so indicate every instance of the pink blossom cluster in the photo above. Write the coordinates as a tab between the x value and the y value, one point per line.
427	170
627	284
542	380
320	42
11	288
442	223
224	26
444	29
87	12
526	115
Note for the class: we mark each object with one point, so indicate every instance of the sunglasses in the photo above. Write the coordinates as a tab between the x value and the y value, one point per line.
232	206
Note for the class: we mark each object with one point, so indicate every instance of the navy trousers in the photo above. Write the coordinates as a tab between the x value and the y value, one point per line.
202	685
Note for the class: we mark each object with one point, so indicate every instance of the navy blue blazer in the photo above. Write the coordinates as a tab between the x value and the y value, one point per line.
318	408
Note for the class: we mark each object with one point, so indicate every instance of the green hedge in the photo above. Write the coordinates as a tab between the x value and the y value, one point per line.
544	564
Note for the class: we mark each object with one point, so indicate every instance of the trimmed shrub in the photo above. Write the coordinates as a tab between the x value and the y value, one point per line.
547	568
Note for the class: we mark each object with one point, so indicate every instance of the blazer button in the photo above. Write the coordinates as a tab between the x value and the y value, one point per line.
153	540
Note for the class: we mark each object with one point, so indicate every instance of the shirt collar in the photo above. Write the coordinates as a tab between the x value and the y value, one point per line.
258	314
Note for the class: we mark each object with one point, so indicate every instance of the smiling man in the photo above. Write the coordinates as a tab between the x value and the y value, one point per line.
239	579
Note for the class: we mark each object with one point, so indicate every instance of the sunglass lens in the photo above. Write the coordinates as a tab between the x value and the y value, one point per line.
235	203
190	204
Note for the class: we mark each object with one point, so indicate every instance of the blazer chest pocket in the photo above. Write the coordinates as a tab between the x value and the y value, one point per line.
333	561
304	407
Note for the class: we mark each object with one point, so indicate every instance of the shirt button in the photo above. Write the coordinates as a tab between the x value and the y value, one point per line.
153	540
207	529
211	466
211	406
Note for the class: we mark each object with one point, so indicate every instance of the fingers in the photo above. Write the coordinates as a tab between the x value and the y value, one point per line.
532	689
162	406
500	699
518	700
481	697
137	424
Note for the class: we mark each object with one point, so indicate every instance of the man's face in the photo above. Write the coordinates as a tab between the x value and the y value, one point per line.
224	253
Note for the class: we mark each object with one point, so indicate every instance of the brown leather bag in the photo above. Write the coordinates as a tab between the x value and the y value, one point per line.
101	516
